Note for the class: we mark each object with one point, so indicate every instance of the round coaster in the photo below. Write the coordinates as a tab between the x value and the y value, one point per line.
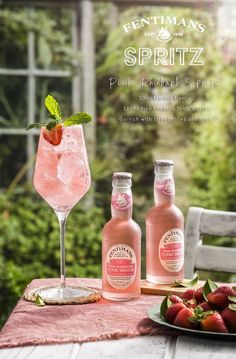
63	295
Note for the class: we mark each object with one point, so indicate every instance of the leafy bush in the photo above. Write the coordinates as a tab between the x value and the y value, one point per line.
29	244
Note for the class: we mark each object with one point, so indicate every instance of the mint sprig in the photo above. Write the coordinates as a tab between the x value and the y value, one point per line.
77	118
55	116
53	107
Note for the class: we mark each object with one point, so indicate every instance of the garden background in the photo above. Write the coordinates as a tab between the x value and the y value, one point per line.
203	151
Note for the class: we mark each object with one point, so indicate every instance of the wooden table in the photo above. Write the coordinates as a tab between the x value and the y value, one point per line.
145	347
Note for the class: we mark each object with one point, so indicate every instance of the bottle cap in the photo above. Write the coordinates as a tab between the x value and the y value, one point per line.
122	179
163	166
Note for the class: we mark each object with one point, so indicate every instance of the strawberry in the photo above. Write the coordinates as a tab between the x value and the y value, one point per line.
198	295
191	303
172	311
229	317
175	299
188	294
54	135
205	306
185	318
213	322
219	297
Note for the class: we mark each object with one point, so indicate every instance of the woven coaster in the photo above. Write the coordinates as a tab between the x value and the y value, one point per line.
90	295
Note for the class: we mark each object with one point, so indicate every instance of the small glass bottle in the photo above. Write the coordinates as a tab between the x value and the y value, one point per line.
121	244
164	229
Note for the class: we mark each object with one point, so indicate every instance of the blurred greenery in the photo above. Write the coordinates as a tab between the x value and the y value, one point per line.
29	236
29	244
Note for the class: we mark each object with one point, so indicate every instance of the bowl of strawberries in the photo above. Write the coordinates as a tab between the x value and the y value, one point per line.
209	309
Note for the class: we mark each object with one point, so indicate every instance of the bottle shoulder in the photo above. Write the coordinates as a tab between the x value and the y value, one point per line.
162	211
119	225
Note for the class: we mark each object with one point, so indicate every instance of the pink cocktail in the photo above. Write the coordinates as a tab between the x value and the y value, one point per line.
62	177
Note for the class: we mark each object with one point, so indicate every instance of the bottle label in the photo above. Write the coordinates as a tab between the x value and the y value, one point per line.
121	201
171	250
120	266
166	187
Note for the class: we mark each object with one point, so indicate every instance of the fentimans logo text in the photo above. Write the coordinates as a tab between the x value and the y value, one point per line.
164	56
163	20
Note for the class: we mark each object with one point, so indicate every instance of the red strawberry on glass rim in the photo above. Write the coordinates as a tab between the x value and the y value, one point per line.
54	135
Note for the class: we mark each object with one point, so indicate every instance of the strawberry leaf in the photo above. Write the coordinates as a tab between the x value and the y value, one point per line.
209	287
198	310
232	307
166	303
77	119
185	284
193	319
39	301
53	107
51	124
35	125
232	299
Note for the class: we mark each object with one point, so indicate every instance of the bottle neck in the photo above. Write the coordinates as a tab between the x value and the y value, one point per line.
164	189
121	202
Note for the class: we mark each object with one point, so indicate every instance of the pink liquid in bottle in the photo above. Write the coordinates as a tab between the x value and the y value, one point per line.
164	230
121	244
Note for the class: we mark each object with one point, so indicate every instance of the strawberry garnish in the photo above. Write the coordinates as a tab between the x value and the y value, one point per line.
54	135
52	130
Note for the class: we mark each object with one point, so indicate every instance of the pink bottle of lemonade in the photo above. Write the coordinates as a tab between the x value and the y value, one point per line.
121	244
164	229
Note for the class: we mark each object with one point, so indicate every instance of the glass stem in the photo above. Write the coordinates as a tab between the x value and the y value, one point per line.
62	217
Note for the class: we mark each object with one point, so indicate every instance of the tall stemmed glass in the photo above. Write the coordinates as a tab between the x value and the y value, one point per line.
62	177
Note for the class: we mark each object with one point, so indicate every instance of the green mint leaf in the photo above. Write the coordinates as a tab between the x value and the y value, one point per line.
209	287
51	124
232	299
77	119
166	303
186	284
35	125
53	106
53	117
39	301
232	307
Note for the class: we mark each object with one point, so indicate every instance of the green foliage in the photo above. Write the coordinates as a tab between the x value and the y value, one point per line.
29	244
53	50
213	170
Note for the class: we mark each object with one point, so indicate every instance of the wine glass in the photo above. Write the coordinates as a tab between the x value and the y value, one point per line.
62	177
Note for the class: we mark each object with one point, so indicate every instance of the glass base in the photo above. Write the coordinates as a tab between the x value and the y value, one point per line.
67	295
